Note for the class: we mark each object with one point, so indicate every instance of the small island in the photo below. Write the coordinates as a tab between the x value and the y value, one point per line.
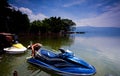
80	32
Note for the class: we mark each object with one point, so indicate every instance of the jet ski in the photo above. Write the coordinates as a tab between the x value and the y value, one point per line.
64	63
16	48
9	43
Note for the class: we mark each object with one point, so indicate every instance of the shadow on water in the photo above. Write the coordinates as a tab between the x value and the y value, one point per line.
38	71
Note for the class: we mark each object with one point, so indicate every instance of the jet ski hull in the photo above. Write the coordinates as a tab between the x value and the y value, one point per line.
61	66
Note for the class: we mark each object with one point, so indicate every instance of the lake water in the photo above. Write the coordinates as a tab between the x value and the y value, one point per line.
102	51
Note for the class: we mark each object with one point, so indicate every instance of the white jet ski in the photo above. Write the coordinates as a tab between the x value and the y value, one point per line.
15	49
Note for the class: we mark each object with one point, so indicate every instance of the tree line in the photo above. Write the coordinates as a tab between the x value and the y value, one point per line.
51	25
14	21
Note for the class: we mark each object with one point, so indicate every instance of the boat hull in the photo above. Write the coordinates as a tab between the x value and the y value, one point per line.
12	50
15	49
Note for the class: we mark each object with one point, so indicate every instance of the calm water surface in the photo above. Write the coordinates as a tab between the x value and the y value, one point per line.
100	51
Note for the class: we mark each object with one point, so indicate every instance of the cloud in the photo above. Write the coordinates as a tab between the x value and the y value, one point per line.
109	18
25	10
75	2
13	7
30	14
39	16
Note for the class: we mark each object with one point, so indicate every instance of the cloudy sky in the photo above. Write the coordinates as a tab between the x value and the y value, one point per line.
99	13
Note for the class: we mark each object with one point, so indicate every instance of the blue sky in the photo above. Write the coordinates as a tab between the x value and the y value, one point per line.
98	13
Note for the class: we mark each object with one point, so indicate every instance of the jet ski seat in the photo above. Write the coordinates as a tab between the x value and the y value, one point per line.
49	56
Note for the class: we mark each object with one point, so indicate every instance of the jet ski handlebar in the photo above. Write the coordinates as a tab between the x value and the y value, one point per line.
62	50
66	53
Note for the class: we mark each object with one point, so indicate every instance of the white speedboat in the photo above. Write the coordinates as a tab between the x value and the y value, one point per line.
15	49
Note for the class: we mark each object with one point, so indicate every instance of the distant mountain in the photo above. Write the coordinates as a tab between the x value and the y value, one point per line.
97	29
104	31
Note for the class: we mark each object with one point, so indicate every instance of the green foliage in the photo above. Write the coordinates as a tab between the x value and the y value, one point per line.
52	25
35	26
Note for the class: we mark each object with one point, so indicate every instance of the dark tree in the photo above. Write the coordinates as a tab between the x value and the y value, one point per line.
4	15
12	20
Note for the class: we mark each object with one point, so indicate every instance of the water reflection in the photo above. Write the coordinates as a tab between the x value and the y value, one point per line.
38	71
100	51
9	63
54	42
3	67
